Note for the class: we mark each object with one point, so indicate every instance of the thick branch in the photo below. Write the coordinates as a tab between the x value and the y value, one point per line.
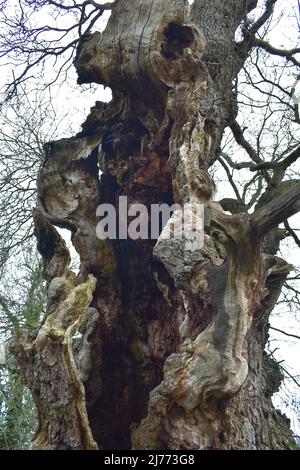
101	6
276	164
292	233
263	18
283	164
277	211
240	139
287	53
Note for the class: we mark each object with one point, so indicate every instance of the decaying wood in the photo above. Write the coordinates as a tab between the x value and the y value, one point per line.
177	337
47	358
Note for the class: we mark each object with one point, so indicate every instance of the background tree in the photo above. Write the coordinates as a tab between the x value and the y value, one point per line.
190	328
22	306
26	123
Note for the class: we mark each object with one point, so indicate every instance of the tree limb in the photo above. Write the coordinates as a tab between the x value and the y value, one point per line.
287	53
283	164
292	233
284	332
277	211
263	18
240	139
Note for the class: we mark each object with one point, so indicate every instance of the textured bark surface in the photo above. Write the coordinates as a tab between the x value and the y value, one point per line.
47	358
171	353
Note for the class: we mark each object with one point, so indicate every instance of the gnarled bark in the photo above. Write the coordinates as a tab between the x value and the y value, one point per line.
47	357
177	337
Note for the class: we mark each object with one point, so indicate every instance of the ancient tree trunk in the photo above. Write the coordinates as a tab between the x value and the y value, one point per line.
171	353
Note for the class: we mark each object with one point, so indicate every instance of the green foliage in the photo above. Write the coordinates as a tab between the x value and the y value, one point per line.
22	305
17	411
22	295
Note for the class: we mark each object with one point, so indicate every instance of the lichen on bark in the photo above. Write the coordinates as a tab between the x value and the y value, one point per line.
47	360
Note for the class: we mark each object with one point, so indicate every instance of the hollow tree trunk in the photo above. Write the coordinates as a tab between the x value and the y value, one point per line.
171	354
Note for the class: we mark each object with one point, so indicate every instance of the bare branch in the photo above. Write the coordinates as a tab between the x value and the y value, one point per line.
284	332
239	137
292	233
230	179
290	375
277	210
28	46
286	53
269	8
277	164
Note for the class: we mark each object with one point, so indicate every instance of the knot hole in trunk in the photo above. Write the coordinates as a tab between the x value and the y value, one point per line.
177	38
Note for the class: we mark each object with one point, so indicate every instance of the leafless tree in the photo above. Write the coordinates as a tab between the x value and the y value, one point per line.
36	32
26	123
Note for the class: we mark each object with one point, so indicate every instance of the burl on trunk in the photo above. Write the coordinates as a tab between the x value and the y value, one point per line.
171	353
